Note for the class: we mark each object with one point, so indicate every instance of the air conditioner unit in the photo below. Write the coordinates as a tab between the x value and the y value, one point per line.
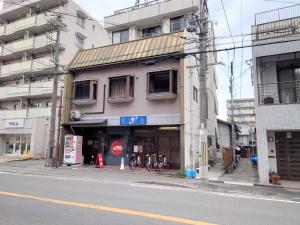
75	115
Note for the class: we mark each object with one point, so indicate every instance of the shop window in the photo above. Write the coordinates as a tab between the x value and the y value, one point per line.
121	89
162	84
120	36
151	31
195	94
177	24
85	92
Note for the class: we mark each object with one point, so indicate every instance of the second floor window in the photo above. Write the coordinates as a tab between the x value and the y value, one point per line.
151	31
121	87
177	24
162	82
120	36
85	90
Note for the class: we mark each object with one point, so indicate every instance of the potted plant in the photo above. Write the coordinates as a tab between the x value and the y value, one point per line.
274	178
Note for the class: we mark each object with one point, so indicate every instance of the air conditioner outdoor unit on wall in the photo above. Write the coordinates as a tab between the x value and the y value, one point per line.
75	115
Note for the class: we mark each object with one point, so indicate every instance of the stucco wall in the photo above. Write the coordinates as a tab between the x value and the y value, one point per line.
140	105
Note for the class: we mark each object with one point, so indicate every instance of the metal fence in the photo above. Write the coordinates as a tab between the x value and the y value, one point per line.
277	14
279	93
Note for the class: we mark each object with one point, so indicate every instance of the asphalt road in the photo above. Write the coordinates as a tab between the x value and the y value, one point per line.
42	200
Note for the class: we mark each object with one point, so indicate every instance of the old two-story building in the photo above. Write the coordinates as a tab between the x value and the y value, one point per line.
277	90
27	67
142	91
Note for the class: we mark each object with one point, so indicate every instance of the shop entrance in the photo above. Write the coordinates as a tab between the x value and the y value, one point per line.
161	142
16	145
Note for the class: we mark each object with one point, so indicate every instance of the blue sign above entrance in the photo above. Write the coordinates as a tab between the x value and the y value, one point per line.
133	120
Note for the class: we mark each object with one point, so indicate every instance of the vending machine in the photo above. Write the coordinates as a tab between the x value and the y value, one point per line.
73	149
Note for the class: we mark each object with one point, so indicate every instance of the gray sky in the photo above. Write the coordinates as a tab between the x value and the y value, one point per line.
240	15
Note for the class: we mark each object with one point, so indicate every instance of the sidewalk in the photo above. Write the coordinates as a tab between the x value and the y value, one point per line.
36	167
9	158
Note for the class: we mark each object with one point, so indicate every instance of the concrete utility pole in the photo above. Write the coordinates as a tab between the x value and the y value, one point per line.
203	39
233	135
199	24
51	158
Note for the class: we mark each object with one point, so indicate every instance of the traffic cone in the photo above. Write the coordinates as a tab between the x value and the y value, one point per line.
122	167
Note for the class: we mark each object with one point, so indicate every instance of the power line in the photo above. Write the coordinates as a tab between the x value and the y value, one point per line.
245	46
228	26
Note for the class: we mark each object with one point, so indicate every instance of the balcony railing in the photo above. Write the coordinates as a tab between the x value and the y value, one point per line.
33	44
23	24
22	90
149	3
30	66
276	29
279	93
25	113
277	14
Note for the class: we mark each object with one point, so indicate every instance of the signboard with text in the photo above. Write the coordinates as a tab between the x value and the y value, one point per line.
133	120
14	123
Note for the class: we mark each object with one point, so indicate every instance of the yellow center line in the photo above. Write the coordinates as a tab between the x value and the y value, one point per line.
108	209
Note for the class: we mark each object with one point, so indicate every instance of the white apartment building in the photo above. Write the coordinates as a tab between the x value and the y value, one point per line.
152	18
27	68
277	92
243	115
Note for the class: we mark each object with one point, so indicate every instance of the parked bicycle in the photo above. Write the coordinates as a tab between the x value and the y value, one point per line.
148	161
133	162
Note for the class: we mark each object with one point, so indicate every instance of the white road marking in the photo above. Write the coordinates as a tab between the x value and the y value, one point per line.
239	183
210	192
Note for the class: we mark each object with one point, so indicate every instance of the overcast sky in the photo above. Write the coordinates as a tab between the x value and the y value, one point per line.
240	15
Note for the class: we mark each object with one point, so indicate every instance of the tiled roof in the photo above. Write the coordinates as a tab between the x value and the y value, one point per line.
167	44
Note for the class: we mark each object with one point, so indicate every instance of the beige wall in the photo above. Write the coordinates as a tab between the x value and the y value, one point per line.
140	105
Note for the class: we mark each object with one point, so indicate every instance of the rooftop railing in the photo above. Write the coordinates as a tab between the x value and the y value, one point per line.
277	14
149	3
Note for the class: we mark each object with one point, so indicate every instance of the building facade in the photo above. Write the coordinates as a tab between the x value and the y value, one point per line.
27	67
277	94
147	92
243	116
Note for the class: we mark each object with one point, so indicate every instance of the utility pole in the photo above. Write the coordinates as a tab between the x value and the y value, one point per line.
203	42
51	156
233	134
199	24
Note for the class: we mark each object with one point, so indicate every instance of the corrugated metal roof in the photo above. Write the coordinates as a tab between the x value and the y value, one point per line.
166	44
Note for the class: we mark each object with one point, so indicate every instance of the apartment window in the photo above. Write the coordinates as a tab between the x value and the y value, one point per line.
177	24
79	42
151	31
289	84
162	82
80	20
195	94
121	87
120	36
85	90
